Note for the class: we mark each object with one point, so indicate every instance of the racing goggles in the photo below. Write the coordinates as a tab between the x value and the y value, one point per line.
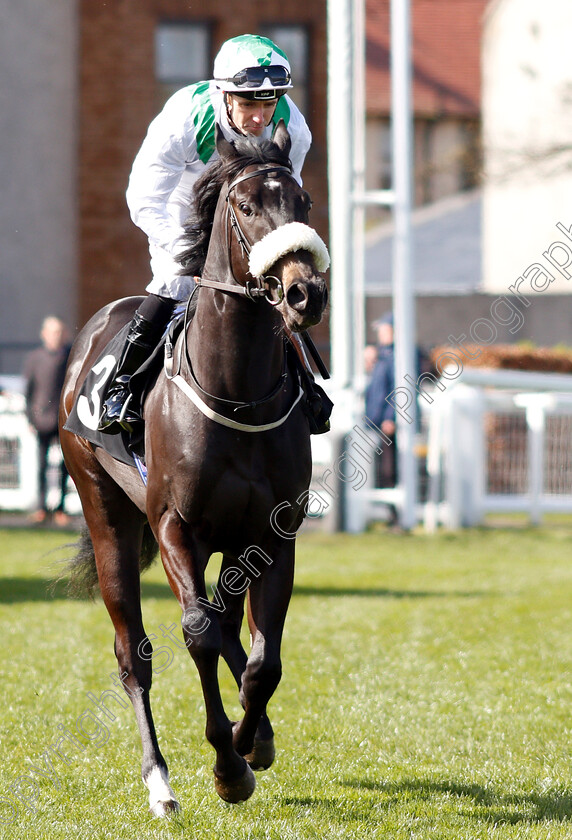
254	77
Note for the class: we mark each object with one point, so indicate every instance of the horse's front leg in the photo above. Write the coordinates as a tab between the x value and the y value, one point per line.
269	596
234	654
185	567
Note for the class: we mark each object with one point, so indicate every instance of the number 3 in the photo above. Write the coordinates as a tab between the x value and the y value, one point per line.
88	416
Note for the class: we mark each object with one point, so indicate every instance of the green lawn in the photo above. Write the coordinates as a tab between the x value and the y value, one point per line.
427	693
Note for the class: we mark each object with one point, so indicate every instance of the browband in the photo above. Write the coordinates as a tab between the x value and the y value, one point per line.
263	171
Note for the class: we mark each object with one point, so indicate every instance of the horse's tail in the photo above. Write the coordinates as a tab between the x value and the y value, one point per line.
81	573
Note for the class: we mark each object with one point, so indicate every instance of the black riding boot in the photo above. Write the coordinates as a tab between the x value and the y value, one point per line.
145	329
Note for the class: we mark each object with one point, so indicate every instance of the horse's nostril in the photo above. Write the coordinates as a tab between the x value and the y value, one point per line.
297	296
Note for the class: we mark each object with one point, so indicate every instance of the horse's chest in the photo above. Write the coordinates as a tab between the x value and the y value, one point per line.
245	482
266	472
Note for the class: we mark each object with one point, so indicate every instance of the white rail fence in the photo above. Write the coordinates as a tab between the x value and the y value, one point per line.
499	441
494	441
19	462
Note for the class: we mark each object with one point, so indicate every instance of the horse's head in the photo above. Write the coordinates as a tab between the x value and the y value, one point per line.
272	248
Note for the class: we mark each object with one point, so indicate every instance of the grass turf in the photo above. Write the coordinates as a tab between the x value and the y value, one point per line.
426	694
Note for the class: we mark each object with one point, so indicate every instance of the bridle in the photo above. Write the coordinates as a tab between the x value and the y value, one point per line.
253	291
261	288
268	287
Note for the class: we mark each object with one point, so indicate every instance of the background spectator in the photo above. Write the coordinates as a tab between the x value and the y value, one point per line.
44	370
380	412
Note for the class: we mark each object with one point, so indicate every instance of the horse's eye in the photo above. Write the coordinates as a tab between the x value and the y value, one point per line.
245	209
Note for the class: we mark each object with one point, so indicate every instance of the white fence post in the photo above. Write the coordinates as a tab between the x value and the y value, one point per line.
19	453
536	406
460	493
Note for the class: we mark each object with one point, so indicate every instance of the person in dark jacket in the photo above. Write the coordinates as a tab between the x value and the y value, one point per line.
44	370
377	409
381	385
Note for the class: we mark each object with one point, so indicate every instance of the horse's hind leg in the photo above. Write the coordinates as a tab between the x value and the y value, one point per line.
261	756
118	570
116	528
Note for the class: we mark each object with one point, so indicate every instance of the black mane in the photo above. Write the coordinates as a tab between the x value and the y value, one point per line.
207	190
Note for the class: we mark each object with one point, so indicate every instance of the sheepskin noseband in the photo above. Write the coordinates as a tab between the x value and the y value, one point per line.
294	236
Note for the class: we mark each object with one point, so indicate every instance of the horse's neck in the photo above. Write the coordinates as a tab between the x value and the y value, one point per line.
235	346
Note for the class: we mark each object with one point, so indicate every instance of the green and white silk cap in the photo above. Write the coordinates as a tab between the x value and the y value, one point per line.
253	66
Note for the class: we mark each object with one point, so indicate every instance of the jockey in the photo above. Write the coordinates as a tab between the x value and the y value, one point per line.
246	98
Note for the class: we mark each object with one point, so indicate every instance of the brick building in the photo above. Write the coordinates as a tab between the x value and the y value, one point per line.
82	84
80	88
134	54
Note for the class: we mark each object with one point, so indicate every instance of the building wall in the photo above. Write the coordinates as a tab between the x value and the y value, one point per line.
446	158
527	118
38	211
480	319
448	162
119	98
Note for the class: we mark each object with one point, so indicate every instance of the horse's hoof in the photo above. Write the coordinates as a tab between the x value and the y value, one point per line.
239	790
262	754
162	800
165	809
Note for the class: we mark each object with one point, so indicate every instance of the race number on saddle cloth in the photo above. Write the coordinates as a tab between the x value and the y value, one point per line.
84	416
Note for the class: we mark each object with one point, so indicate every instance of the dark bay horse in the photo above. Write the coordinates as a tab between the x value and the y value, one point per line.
227	449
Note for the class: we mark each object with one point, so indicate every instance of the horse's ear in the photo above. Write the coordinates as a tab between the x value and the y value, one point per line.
282	138
225	149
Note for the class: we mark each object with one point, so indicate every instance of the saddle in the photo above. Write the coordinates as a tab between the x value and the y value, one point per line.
129	447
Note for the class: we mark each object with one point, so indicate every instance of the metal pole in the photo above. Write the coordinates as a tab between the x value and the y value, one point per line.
340	177
340	156
358	188
403	297
347	197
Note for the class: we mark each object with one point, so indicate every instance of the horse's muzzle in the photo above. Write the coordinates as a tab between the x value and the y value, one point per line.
306	300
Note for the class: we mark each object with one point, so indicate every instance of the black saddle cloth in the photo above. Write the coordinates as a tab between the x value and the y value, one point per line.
84	416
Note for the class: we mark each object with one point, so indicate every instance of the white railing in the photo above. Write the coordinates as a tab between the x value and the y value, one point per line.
476	465
18	456
496	441
19	462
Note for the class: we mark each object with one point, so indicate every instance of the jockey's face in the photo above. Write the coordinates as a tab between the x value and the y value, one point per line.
250	116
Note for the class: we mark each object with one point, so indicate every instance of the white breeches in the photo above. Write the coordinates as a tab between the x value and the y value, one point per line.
167	281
